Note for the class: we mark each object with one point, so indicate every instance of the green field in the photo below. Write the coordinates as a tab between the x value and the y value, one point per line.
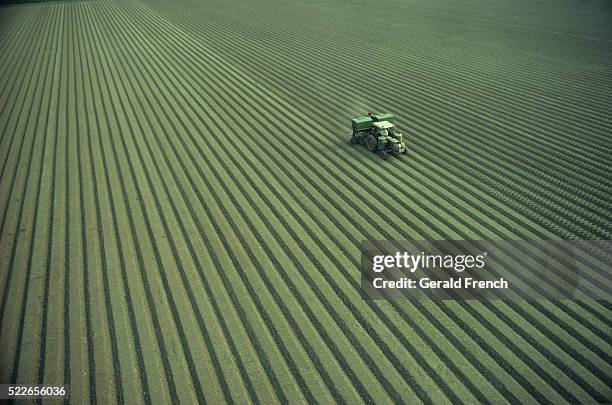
181	210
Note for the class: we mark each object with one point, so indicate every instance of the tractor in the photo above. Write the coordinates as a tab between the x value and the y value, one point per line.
378	133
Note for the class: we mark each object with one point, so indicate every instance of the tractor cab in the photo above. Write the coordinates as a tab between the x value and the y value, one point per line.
383	128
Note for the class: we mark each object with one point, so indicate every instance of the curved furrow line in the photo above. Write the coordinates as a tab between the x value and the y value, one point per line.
493	188
588	387
295	237
602	317
17	53
20	366
567	354
351	149
194	255
17	109
192	250
597	228
124	226
68	204
124	125
251	23
587	179
500	348
13	28
332	56
493	348
486	230
561	342
602	375
196	195
87	241
187	240
93	212
202	203
569	230
262	176
10	245
49	330
524	160
169	296
443	10
266	364
539	30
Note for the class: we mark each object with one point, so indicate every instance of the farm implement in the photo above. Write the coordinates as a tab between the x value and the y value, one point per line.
378	133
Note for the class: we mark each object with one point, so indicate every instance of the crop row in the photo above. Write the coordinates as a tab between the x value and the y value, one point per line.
178	228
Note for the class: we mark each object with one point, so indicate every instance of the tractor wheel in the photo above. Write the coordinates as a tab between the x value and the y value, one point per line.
371	143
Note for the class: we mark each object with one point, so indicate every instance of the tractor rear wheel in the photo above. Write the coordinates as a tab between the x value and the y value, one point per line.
371	143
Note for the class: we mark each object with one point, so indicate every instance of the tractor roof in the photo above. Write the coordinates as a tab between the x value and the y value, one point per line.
383	125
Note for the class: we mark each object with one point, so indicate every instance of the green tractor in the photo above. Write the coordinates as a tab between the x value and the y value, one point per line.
377	133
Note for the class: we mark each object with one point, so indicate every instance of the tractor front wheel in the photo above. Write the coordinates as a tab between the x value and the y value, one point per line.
372	143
